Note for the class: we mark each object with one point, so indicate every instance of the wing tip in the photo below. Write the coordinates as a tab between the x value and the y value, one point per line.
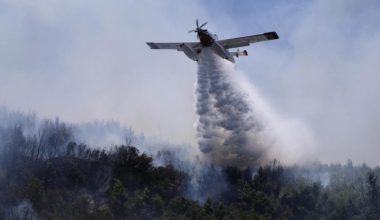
152	45
271	35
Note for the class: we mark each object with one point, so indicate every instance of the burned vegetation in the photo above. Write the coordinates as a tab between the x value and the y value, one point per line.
47	175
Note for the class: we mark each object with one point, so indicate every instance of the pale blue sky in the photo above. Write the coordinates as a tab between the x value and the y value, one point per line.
87	60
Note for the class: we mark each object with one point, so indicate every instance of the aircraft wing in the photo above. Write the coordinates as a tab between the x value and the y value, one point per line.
245	41
174	46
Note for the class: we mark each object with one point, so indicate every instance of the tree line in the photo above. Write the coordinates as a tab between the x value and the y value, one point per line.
46	175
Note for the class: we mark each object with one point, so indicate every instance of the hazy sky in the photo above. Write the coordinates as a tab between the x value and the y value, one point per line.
87	60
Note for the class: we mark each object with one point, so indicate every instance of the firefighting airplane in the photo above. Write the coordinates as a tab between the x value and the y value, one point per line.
220	47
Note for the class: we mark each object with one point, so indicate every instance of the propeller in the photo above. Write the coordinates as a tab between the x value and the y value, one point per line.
203	24
198	27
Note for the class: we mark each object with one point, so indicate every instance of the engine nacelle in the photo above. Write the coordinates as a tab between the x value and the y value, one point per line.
189	52
222	52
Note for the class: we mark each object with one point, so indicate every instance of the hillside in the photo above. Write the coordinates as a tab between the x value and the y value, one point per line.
50	177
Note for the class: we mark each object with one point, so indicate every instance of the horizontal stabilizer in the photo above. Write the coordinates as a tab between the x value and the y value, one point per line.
239	53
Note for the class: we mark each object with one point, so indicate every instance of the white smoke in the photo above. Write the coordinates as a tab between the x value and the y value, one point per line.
24	210
236	126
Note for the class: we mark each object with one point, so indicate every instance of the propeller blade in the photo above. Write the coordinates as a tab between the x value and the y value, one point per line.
195	30
196	22
203	24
